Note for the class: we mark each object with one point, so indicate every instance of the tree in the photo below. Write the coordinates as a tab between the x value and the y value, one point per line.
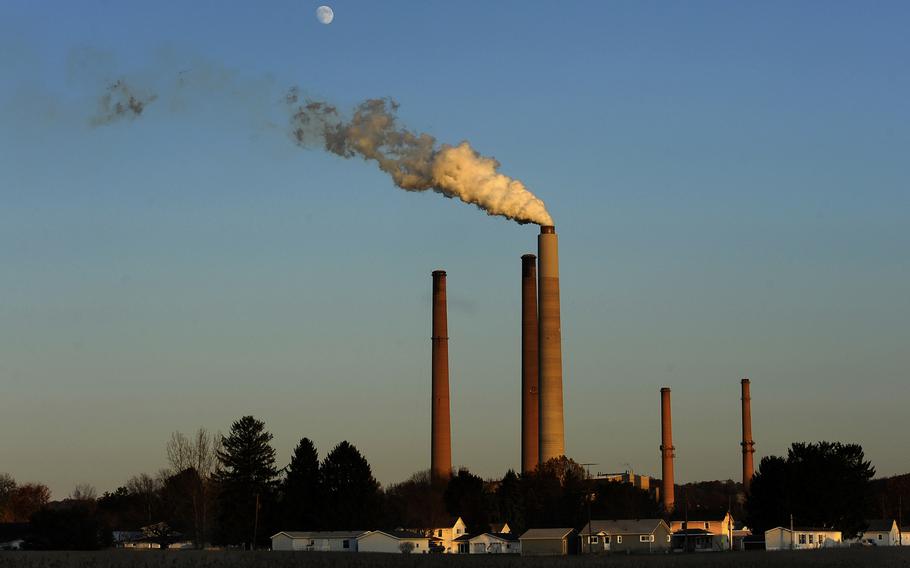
417	502
246	476
465	497
7	489
615	500
300	495
25	501
555	495
510	502
350	494
146	489
84	492
825	484
72	527
199	454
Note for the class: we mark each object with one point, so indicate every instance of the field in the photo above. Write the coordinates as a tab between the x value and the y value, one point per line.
886	558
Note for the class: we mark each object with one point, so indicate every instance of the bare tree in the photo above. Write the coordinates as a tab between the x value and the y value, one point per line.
146	487
199	453
84	492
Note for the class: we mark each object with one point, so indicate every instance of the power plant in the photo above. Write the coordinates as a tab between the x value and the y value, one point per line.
441	428
551	429
530	403
666	450
747	443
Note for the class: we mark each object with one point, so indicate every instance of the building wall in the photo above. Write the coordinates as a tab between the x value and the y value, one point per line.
544	547
632	542
780	539
882	538
379	542
482	545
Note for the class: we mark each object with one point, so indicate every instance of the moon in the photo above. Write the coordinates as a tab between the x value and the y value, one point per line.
325	15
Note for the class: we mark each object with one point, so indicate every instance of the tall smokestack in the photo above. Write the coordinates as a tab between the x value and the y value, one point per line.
747	443
551	429
666	449
530	443
441	434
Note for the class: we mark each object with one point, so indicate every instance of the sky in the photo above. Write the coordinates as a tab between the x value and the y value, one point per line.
729	181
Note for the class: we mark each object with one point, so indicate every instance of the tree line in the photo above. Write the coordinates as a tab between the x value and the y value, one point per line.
228	490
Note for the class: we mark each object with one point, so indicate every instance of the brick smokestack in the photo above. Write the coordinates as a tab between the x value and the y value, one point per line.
530	443
441	434
747	443
551	429
666	450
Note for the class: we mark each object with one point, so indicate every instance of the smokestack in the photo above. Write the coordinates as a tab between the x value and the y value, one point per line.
530	443
441	435
551	429
747	443
666	449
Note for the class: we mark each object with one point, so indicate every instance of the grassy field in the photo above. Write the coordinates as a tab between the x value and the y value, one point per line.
185	559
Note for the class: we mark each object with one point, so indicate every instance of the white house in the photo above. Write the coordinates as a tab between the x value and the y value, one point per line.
905	536
780	538
711	532
317	541
500	528
881	532
393	542
495	543
445	536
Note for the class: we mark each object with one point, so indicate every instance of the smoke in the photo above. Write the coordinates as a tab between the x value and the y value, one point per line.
121	101
414	160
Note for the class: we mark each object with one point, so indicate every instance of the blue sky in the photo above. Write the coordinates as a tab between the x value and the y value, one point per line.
728	179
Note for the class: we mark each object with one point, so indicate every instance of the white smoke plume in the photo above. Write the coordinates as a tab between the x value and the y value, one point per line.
414	161
119	102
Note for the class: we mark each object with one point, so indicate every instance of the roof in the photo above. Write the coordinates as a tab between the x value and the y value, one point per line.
699	515
880	525
498	527
500	535
321	534
546	533
806	529
623	526
464	538
399	535
693	532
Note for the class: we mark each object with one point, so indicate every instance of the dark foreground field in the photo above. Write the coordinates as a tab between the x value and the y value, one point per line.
186	559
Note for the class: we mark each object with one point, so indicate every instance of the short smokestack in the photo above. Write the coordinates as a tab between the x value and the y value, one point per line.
530	443
747	443
441	434
551	429
666	450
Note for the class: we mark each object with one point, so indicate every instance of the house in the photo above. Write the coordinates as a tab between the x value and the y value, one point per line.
905	536
321	541
704	532
628	535
881	532
393	542
495	543
801	538
462	545
446	535
548	542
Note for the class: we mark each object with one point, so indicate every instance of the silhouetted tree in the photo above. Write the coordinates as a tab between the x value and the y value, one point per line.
821	484
24	501
300	490
349	494
200	454
246	479
7	489
510	502
615	500
416	503
465	497
555	495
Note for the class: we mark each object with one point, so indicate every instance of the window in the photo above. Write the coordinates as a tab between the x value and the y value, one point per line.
811	539
821	539
619	539
607	539
592	539
668	538
346	543
642	538
439	533
416	545
707	526
802	538
651	538
879	536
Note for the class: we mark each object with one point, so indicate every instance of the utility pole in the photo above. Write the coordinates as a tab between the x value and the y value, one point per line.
900	530
791	532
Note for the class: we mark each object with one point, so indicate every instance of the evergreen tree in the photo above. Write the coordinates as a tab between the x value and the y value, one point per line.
465	497
300	498
825	484
246	478
349	493
510	501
